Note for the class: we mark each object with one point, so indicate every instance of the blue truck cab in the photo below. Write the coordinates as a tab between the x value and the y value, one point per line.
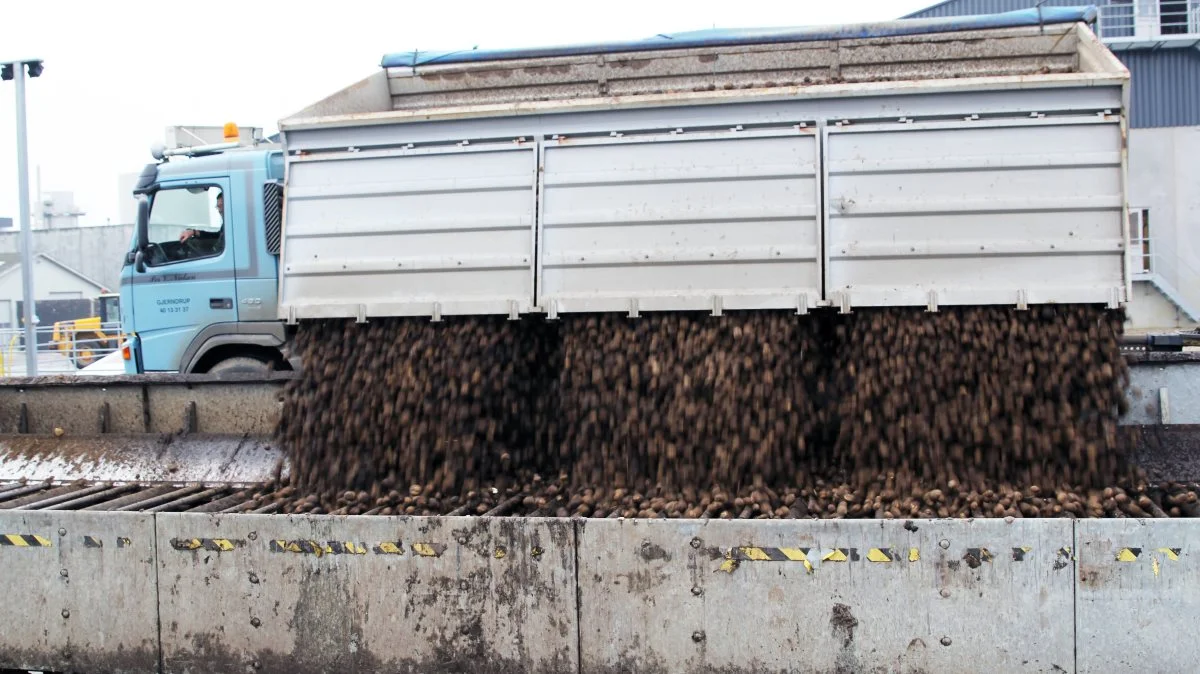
199	283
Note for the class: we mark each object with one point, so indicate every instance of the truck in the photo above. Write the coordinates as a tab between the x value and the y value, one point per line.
919	163
960	161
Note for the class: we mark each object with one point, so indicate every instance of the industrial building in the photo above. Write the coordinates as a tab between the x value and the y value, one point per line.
1159	42
93	252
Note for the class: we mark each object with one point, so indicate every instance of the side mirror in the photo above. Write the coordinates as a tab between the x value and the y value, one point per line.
143	222
139	261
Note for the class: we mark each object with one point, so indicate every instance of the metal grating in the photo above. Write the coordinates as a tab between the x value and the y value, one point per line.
118	497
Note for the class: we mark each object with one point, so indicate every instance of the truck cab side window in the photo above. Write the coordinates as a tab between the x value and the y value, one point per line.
186	223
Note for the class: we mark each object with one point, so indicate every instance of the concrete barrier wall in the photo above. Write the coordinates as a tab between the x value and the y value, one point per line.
847	596
295	595
80	592
134	592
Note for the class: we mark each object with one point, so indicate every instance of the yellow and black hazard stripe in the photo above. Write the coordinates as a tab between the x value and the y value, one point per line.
209	544
753	553
1128	554
883	555
887	555
389	548
124	542
318	548
25	541
841	555
435	549
1171	553
1132	554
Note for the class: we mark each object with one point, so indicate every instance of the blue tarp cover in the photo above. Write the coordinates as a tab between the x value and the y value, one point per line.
741	36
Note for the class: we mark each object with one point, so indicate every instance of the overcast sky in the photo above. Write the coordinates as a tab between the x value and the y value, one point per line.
118	73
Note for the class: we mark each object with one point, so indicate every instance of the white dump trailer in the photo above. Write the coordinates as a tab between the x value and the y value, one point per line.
976	161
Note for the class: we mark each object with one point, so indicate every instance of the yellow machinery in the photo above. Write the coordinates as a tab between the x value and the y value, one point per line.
85	340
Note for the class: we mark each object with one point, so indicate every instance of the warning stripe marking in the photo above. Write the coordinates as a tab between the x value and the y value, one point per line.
389	548
124	542
1128	554
92	542
841	555
209	544
881	555
756	554
1171	553
308	547
752	553
25	541
1132	554
433	549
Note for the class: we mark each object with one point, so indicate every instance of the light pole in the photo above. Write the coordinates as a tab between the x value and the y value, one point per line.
15	70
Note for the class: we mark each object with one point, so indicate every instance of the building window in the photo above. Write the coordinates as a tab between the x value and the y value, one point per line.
1140	257
1118	19
1173	17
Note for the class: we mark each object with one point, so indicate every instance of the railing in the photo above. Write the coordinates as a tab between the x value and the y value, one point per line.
1134	20
74	349
1141	255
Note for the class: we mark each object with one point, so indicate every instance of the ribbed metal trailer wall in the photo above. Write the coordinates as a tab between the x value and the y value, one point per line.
970	168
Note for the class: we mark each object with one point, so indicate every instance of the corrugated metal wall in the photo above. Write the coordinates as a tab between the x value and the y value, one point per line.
1166	82
1166	87
969	7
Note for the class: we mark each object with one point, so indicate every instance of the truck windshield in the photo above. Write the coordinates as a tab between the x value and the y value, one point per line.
186	223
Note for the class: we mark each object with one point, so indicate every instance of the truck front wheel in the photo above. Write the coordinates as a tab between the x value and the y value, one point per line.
241	365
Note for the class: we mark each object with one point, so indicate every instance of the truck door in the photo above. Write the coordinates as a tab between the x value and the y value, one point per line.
188	283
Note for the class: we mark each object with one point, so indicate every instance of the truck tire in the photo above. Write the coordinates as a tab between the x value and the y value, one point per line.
241	365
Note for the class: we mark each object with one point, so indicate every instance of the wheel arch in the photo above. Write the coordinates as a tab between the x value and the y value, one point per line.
218	342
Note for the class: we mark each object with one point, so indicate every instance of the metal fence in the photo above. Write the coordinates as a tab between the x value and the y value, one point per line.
59	351
1146	19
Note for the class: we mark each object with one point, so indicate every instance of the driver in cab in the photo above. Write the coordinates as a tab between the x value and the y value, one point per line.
202	235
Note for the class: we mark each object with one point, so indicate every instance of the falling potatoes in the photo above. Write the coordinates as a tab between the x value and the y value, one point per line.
881	413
